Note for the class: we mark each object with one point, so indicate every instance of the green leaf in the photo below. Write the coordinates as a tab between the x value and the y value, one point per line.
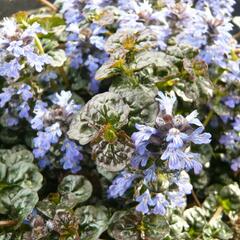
230	197
107	70
103	109
217	230
74	190
113	156
141	101
93	221
58	57
47	21
195	217
151	58
16	203
236	21
131	225
178	226
20	180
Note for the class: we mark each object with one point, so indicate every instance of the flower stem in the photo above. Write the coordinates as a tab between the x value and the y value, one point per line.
36	39
7	223
208	118
196	199
38	44
48	4
217	214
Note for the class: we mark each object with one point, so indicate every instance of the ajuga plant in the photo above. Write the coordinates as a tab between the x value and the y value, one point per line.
120	120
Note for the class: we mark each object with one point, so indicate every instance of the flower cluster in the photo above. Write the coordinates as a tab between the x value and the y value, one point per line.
163	154
52	124
97	99
15	103
18	48
231	139
85	41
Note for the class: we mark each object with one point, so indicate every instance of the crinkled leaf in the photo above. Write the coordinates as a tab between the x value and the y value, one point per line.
107	70
130	40
112	156
74	190
20	180
236	21
141	101
230	197
100	110
178	226
47	21
217	230
93	221
156	227
58	57
16	203
158	59
130	225
48	206
195	217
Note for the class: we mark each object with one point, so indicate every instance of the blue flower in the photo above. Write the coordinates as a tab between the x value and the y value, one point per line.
231	101
15	47
176	137
141	137
47	76
25	92
6	96
145	201
236	124
166	102
42	144
54	132
192	161
10	69
183	183
64	100
121	184
150	174
229	139
72	156
177	199
198	137
40	111
37	61
44	162
224	7
175	157
24	109
140	160
160	203
12	121
178	159
31	30
192	119
235	164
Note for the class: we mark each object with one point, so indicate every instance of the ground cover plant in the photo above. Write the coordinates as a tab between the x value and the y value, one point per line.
120	120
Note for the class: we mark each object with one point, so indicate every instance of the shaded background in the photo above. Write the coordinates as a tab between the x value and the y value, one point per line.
7	7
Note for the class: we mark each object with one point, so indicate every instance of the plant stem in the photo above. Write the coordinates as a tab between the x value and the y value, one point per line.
48	4
64	77
196	199
38	44
36	39
236	36
216	214
7	223
208	118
